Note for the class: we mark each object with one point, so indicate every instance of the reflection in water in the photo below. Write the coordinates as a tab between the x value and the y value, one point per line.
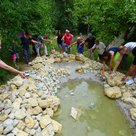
99	115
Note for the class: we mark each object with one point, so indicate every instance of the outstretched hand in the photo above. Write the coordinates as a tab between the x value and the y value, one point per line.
22	75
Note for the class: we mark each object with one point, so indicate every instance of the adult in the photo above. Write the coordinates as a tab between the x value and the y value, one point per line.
109	54
130	47
9	68
90	41
59	40
26	40
80	47
67	41
100	46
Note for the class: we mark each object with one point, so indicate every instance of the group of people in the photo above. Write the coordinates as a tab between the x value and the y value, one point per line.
113	54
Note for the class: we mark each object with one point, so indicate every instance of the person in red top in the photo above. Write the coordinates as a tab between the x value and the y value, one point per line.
67	41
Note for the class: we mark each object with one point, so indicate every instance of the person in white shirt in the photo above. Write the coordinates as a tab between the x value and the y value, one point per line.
131	48
100	46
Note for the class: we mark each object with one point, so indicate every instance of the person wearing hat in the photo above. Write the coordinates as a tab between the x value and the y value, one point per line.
67	41
80	47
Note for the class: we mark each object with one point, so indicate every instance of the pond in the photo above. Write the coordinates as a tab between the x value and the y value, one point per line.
99	116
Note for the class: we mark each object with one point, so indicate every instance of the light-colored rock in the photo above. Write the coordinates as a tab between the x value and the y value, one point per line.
29	122
50	112
45	121
15	122
34	111
57	126
22	133
8	129
114	80
8	122
23	89
4	96
133	113
130	100
1	129
15	131
20	114
16	104
37	66
113	92
33	102
21	125
13	87
18	81
3	117
11	116
74	113
57	60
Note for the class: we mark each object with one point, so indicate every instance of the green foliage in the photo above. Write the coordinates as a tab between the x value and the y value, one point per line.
108	18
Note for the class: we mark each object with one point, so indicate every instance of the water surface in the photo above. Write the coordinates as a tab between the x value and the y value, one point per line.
99	115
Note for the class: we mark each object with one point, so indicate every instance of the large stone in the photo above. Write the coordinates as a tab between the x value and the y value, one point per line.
133	113
15	131
34	111
131	100
13	87
57	60
20	114
3	117
29	122
16	104
18	81
114	81
8	129
52	102
23	89
57	126
37	66
45	121
4	96
21	125
22	133
44	103
33	102
113	92
49	112
8	122
1	129
74	113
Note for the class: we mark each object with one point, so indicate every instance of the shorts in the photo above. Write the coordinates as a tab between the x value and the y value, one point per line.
13	56
134	53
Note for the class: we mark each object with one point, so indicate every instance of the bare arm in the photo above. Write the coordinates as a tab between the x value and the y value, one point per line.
103	68
111	60
118	62
73	44
33	41
9	68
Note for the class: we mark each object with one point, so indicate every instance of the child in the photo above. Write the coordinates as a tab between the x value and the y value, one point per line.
13	55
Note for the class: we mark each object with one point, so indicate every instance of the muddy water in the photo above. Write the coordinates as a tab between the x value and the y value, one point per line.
99	116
